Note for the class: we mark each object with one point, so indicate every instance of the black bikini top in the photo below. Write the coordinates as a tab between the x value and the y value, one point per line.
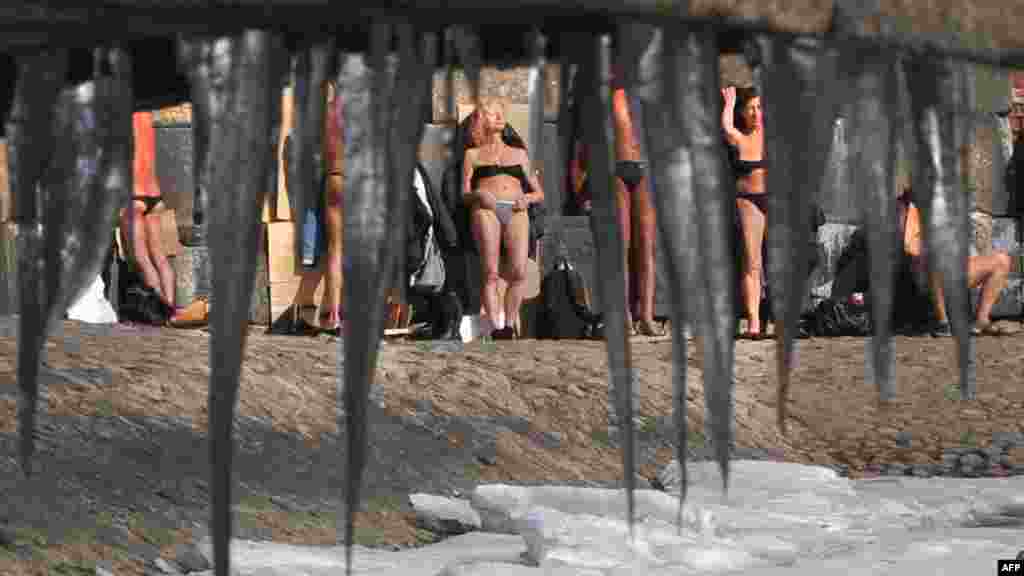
490	170
744	167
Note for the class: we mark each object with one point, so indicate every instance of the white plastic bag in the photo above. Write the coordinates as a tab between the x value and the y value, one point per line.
92	306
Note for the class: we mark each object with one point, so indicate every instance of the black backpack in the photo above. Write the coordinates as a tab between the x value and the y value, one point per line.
837	318
562	316
137	302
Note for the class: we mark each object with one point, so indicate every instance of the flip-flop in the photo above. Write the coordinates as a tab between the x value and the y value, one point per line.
647	329
988	330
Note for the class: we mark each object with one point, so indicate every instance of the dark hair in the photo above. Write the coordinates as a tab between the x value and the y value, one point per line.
512	138
743	96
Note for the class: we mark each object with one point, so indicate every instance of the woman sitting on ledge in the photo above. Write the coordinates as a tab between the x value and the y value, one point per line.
144	247
499	186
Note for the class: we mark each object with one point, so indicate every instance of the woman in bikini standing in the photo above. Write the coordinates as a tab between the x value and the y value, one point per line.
742	122
499	186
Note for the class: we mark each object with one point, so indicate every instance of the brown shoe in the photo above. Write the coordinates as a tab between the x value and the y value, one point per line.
194	315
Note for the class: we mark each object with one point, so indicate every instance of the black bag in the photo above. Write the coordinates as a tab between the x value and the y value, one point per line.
837	318
139	303
562	315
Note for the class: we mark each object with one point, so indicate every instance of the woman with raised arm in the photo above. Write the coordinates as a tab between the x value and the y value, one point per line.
744	133
499	186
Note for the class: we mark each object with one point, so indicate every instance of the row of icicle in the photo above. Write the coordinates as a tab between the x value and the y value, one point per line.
70	170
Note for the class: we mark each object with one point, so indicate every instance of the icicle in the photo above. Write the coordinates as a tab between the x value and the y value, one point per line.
30	140
364	88
672	193
797	143
936	94
714	228
240	158
610	275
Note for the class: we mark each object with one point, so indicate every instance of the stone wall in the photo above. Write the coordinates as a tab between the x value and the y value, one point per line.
983	154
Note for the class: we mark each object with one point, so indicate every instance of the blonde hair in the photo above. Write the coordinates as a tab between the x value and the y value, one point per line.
476	123
476	129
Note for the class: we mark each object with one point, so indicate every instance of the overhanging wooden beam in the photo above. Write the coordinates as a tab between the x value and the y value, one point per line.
985	31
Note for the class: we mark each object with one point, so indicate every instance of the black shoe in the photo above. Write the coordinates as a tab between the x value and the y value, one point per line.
506	333
449	318
941	330
291	323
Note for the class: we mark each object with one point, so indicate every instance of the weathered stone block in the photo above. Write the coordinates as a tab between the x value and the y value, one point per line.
981	233
1005	234
833	238
733	69
8	269
984	186
174	170
173	115
435	154
572	236
510	84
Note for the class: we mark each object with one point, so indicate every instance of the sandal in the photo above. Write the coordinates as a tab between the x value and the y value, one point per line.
647	328
335	330
195	315
292	323
506	333
989	329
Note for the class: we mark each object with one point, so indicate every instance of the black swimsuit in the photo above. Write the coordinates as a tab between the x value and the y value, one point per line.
150	202
630	172
742	168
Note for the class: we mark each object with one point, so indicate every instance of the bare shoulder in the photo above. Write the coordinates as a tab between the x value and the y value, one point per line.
522	157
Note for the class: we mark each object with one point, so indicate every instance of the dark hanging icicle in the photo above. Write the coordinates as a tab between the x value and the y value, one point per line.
675	210
364	86
937	100
536	87
467	44
305	158
715	319
30	140
599	135
97	174
797	142
875	124
240	161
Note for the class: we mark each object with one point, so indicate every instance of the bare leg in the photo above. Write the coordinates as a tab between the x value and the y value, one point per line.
487	233
138	246
752	223
516	236
990	272
644	225
622	196
154	245
333	215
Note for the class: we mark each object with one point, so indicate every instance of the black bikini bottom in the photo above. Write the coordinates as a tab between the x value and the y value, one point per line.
630	172
150	202
760	200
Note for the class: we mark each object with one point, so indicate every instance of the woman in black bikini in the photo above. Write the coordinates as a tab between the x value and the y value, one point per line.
742	122
498	184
